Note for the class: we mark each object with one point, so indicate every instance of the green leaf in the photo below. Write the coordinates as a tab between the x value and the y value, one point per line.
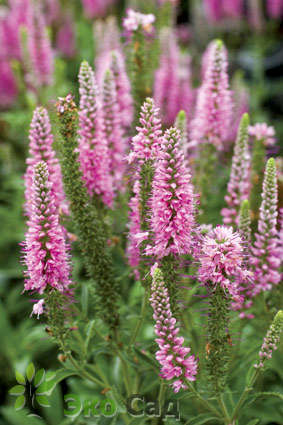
42	400
39	377
203	418
50	375
30	372
17	390
48	386
19	417
20	378
20	402
254	422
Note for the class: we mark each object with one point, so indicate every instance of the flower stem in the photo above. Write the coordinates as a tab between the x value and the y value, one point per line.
243	397
140	320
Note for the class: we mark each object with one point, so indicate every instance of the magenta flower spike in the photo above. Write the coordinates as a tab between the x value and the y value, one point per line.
66	40
123	89
238	186
146	144
172	200
8	86
45	250
266	250
212	119
166	84
94	154
221	261
40	51
40	149
177	366
145	148
113	130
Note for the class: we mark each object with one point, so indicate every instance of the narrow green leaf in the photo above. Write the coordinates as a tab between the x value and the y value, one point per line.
269	394
50	375
30	372
42	400
39	377
254	422
20	402
17	390
20	378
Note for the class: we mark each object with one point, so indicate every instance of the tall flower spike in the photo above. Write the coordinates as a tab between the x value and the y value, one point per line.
263	137
45	251
89	225
145	148
238	186
177	366
271	340
113	130
166	77
172	200
266	250
40	48
93	150
123	89
40	149
213	111
146	144
221	271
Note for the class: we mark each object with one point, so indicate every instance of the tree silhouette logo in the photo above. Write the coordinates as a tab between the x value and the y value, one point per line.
34	388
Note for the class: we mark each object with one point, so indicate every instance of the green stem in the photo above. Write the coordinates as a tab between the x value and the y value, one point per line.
140	320
204	402
243	397
125	373
84	373
224	409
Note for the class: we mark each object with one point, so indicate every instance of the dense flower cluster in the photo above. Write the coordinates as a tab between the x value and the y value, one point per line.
261	131
40	149
146	144
172	355
221	261
172	201
134	20
266	250
45	250
213	111
93	149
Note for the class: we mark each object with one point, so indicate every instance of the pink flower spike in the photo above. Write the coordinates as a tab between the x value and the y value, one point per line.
134	20
146	144
93	149
212	120
172	355
123	88
172	200
238	186
45	250
267	250
40	149
39	47
221	261
113	130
